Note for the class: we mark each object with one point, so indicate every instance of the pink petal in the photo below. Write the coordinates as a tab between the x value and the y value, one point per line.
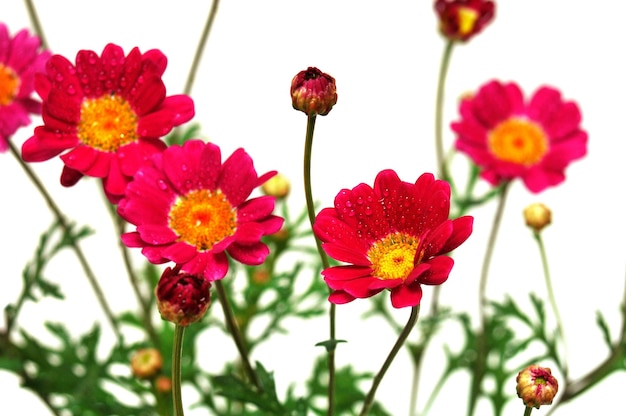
404	296
156	234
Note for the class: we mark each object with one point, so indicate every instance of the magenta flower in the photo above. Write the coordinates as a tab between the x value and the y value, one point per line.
192	209
105	115
508	137
182	298
394	236
20	59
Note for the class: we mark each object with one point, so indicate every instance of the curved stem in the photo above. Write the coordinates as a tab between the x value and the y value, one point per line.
369	399
144	302
573	389
442	169
231	324
177	353
552	299
481	338
34	19
75	246
200	49
330	346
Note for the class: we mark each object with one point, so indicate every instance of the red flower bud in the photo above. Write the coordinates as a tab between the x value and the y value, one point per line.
182	298
536	386
313	92
460	20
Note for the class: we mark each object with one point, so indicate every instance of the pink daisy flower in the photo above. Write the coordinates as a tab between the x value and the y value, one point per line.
105	114
508	137
394	236
20	59
192	209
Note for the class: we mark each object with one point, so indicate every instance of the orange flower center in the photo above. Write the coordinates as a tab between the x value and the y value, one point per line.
393	257
518	141
203	218
9	85
467	20
107	123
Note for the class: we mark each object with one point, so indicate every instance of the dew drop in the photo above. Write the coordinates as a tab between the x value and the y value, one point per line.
184	167
59	77
162	185
359	200
70	89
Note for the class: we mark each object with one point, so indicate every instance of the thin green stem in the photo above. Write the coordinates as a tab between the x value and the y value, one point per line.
573	389
442	168
369	399
75	246
527	411
435	392
177	354
552	299
330	346
144	301
482	336
233	328
34	19
200	49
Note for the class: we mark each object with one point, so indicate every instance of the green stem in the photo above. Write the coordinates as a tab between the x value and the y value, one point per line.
527	411
144	302
552	299
482	336
573	389
233	328
369	399
435	392
330	346
34	19
439	148
177	354
200	49
75	246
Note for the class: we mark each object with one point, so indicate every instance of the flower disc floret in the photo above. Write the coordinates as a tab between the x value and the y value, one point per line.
509	137
394	235
105	115
21	57
190	208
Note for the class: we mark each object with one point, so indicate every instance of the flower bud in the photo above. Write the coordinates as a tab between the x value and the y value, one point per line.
537	216
460	20
182	298
313	92
146	363
277	186
163	384
536	386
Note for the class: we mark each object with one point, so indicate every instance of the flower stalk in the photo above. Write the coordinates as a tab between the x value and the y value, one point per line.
177	353
191	77
75	246
332	342
442	167
482	336
369	399
234	331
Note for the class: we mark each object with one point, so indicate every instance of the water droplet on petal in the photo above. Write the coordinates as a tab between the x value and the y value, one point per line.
162	185
71	90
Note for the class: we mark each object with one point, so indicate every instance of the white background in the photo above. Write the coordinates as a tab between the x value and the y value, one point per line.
385	59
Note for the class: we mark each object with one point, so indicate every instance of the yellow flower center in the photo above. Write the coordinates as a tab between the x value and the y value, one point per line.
518	141
9	85
393	257
203	218
467	20
107	123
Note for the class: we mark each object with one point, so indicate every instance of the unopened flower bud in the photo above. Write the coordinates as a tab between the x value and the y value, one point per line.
536	386
277	186
537	216
460	20
163	384
313	92
146	363
182	298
